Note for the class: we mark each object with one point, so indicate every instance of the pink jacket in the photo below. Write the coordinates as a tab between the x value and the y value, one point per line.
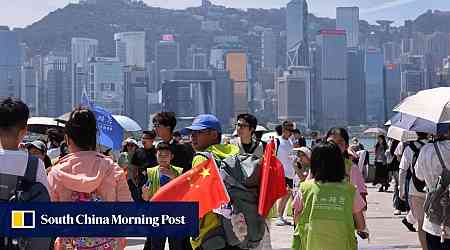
86	172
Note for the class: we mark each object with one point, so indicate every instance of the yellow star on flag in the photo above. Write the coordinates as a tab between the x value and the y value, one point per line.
205	172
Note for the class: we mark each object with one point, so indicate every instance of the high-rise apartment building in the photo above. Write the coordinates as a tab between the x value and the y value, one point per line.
10	63
130	48
297	33
83	49
347	18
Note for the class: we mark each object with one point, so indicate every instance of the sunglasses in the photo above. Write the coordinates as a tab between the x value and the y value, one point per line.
242	125
157	125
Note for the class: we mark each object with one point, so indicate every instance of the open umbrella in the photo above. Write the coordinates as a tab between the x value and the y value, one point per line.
401	134
375	131
412	123
267	136
431	104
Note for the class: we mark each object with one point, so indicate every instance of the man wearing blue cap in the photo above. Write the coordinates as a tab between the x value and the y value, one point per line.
206	135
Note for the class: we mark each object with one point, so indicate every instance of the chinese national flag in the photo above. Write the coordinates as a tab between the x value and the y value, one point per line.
273	184
201	184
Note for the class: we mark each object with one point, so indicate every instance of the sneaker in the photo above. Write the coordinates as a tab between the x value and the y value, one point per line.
408	225
397	212
280	222
286	222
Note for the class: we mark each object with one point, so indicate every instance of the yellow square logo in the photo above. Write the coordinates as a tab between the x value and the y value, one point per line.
22	219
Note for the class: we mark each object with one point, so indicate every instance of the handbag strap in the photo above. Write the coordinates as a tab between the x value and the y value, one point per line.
439	154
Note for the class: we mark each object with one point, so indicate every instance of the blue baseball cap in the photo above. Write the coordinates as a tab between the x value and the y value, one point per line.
202	122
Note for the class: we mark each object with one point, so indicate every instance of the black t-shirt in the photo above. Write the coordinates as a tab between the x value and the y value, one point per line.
182	155
144	158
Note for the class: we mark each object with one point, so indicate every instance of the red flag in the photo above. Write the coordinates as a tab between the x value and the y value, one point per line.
201	184
273	184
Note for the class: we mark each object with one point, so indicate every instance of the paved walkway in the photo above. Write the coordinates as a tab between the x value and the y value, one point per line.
386	230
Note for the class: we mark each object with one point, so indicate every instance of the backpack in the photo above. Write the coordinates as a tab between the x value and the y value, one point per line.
87	243
437	202
24	189
241	176
418	184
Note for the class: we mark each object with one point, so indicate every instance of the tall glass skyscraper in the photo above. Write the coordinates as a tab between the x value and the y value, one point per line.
347	18
9	63
375	105
297	33
130	48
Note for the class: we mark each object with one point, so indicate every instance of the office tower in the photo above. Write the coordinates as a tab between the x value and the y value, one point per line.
347	18
269	49
191	92
413	76
333	78
56	82
297	33
391	52
444	74
29	88
136	95
196	58
167	56
236	64
10	57
375	105
130	48
392	86
294	95
105	86
83	49
356	110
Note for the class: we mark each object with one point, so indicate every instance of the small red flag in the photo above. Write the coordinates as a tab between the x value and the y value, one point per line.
201	184
273	184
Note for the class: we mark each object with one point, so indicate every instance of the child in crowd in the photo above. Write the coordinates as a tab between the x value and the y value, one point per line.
157	177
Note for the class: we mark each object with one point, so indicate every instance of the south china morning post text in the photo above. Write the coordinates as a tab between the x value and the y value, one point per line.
115	219
99	219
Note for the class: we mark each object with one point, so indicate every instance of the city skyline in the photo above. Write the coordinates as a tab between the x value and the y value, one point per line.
370	10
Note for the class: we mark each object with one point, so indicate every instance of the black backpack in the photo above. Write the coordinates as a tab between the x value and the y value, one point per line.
24	189
418	184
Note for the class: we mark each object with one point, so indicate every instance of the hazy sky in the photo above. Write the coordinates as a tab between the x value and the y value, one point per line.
20	13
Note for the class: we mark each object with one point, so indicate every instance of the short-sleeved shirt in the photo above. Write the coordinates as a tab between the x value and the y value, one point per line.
283	154
405	164
429	168
14	162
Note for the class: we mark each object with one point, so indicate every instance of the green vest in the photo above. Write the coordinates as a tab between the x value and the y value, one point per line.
153	178
326	222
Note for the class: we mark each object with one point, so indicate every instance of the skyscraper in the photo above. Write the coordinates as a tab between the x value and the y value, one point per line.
56	82
413	76
356	87
294	95
105	86
297	33
83	49
269	49
333	78
236	64
167	56
130	48
29	88
347	18
375	105
136	95
10	57
392	85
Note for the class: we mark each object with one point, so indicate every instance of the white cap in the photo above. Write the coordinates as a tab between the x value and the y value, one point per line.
130	141
304	150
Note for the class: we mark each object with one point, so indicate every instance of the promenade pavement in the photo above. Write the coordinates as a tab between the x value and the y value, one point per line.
386	230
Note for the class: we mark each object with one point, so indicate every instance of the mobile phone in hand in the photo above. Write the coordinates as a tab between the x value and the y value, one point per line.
363	235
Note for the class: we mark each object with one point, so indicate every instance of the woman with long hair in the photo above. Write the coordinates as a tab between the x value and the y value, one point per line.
85	174
381	168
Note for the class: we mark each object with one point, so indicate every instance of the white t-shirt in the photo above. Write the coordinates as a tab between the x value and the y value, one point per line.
14	162
429	168
284	155
405	164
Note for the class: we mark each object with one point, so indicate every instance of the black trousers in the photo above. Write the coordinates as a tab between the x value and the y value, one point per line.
159	243
434	243
185	245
